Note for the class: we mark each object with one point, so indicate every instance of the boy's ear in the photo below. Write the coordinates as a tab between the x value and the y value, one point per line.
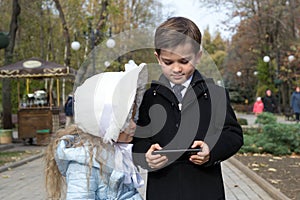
198	56
157	56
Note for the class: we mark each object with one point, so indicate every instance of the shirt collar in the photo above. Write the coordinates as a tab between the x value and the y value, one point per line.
185	84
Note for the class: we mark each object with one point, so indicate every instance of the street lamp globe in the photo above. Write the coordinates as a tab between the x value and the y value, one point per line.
75	45
239	73
266	59
255	73
291	58
110	43
107	63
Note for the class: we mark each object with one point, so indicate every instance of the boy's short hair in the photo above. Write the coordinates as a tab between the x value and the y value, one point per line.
176	31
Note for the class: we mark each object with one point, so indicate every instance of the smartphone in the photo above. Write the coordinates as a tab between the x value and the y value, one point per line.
176	151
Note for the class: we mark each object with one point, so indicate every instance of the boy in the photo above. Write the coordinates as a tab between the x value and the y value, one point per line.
197	115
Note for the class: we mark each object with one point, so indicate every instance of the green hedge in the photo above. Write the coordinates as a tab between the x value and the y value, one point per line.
266	118
242	121
272	137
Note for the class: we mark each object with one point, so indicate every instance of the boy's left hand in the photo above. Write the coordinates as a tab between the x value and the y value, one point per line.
201	157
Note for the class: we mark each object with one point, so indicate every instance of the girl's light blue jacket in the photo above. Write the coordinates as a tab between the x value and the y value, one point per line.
105	185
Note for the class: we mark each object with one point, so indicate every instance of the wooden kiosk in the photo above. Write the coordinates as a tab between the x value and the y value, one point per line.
38	113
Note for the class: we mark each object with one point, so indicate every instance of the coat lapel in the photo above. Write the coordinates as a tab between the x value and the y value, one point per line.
196	89
163	87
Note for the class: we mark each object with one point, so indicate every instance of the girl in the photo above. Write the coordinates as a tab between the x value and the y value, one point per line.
258	106
92	158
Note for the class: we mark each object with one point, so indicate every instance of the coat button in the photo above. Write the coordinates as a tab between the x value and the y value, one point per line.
217	162
177	125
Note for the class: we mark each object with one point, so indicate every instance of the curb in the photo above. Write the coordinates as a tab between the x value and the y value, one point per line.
21	162
4	147
266	186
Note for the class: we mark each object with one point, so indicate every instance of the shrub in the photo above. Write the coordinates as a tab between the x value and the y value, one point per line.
277	139
252	130
266	118
250	142
281	138
242	121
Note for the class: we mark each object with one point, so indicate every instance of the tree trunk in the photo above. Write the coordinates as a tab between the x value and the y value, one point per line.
6	86
66	33
101	24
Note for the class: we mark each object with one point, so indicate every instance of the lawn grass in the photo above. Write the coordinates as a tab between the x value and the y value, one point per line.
12	156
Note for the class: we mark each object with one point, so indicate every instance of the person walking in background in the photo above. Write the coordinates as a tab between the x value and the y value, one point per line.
258	106
69	110
269	101
295	103
183	110
92	159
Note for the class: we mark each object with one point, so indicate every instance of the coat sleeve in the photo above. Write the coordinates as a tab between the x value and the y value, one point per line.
230	139
142	140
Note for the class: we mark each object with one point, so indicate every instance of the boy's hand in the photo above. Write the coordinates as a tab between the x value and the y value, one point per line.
201	157
155	161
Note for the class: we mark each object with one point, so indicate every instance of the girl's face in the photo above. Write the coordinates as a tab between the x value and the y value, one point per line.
128	133
178	64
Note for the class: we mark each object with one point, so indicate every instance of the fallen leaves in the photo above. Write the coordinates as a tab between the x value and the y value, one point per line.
274	181
282	172
14	156
254	165
272	170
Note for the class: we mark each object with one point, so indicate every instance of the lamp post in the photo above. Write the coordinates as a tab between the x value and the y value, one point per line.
276	81
239	74
75	45
245	88
110	43
291	58
266	59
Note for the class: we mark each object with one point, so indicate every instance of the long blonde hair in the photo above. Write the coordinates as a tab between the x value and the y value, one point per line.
54	181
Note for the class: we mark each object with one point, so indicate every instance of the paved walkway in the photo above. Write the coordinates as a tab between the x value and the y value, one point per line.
26	182
251	118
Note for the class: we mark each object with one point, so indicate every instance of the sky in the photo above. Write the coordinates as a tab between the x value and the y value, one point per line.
197	11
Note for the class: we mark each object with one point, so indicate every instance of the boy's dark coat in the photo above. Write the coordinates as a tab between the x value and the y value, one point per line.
172	128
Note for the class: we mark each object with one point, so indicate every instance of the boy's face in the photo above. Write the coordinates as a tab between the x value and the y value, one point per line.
178	64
